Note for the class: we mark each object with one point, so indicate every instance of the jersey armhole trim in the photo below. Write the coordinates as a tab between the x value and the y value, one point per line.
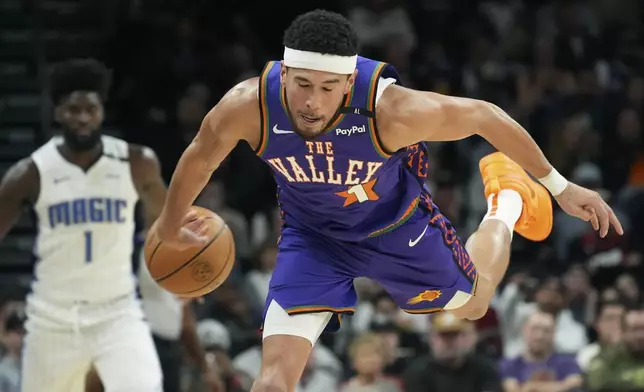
371	106
263	108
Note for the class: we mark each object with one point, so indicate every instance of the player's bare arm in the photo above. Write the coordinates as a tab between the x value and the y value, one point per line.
146	174
407	116
20	186
236	117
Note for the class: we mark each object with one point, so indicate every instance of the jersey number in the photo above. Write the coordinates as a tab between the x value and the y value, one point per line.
88	246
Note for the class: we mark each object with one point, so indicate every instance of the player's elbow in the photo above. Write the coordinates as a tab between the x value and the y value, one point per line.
478	114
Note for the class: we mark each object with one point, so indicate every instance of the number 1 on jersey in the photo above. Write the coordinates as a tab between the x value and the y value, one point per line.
88	246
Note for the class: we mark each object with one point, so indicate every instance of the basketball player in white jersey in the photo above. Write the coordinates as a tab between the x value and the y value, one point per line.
83	188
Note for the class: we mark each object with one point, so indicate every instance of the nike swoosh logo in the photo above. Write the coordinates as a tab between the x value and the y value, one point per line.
414	242
278	131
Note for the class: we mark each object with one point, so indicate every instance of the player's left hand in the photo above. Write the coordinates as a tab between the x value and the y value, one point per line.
588	205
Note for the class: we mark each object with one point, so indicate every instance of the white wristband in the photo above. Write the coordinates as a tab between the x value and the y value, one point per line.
554	182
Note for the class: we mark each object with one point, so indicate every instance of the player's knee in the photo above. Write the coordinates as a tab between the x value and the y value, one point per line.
471	307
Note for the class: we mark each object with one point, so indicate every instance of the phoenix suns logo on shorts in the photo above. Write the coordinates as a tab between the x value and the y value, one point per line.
427	295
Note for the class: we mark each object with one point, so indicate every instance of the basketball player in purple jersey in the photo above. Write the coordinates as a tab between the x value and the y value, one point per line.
347	146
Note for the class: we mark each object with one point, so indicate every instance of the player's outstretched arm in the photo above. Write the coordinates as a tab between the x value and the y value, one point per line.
410	116
20	186
407	116
234	118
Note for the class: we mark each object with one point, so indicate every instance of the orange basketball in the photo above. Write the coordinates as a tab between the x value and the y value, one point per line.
197	270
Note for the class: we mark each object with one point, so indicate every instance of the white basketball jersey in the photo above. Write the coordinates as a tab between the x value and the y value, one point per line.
85	225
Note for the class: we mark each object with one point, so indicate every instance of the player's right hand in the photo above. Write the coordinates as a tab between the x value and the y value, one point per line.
190	232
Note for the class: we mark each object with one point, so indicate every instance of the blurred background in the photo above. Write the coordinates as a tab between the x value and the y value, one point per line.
571	72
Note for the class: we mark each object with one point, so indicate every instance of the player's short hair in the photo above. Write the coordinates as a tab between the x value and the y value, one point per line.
79	75
322	31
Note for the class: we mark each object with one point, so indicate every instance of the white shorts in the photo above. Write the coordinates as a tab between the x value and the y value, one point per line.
62	342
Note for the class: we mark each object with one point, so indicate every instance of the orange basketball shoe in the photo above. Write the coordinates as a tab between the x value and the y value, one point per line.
500	172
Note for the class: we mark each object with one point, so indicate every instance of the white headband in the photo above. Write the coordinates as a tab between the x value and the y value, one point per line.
320	62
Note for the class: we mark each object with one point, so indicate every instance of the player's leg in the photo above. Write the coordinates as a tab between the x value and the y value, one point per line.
515	203
54	357
287	344
424	265
124	354
312	285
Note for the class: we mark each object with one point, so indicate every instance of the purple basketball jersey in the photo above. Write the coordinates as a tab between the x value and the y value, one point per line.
342	184
341	196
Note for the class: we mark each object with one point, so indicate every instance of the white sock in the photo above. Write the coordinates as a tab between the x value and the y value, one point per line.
505	206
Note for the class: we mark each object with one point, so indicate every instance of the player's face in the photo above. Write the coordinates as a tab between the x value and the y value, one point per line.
314	97
80	116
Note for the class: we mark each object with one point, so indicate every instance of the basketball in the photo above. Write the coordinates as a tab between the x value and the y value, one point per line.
196	270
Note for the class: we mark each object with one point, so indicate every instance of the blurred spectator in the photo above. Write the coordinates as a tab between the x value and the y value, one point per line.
376	21
191	108
400	346
453	365
609	331
540	368
620	368
215	340
624	148
10	363
258	279
367	356
484	74
574	139
582	298
628	290
549	297
488	330
231	307
575	46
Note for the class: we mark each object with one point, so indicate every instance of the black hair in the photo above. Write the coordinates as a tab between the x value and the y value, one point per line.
322	31
79	75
